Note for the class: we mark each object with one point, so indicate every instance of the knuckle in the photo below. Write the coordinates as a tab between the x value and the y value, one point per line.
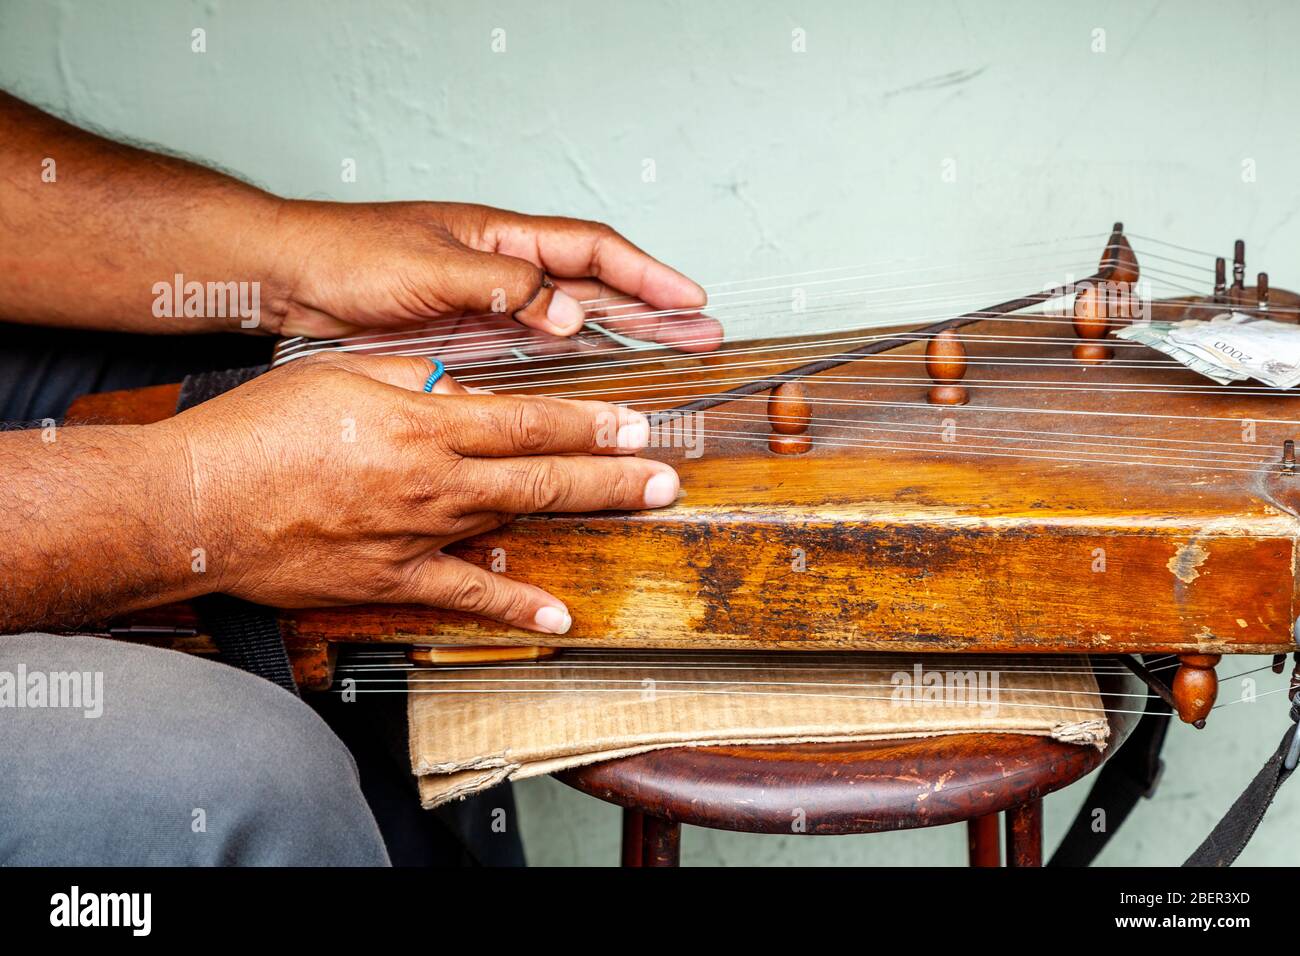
514	605
472	592
322	359
399	581
410	422
531	426
545	486
624	486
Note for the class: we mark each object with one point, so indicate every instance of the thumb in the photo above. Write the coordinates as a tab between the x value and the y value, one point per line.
447	582
490	282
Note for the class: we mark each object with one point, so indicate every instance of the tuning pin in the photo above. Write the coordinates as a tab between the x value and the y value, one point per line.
1091	323
945	362
1118	261
789	414
1261	292
1239	265
1195	686
1220	280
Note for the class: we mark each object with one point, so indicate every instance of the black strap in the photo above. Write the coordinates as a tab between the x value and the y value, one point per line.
1124	780
199	388
1233	832
1132	774
247	635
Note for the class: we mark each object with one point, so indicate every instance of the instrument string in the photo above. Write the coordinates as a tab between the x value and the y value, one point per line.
417	342
746	676
638	669
639	379
828	662
1175	452
295	342
1251	698
754	665
374	338
512	331
1183	462
977	409
629	303
1024	362
733	693
708	388
500	366
1171	245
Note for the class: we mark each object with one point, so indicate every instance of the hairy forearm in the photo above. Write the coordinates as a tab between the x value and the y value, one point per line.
96	521
91	231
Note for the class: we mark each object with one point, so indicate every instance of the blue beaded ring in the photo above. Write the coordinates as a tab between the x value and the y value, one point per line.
439	370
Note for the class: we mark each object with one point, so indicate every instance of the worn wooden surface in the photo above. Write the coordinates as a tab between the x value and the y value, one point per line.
1025	834
842	788
846	788
904	544
983	841
861	787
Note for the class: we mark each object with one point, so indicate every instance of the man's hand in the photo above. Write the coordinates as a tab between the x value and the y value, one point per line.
381	266
332	480
335	481
96	234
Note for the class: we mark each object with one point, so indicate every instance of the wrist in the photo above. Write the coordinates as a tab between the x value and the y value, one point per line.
265	268
194	539
285	251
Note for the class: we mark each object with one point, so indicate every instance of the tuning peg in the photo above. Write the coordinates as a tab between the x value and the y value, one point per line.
1239	265
1118	260
1091	323
945	362
789	414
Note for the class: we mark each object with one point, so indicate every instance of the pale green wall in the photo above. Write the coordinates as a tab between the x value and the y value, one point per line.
767	161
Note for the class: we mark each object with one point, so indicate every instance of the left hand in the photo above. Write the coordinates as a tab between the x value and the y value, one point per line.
353	268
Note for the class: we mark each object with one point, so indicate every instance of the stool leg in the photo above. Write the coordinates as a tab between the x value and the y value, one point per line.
661	842
632	850
1025	834
982	837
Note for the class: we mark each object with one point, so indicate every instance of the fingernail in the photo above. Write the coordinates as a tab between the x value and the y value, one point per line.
553	620
564	315
661	489
635	434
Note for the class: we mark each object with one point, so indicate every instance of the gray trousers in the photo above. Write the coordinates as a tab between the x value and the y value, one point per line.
172	761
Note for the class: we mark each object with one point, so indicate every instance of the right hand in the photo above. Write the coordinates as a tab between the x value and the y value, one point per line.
335	480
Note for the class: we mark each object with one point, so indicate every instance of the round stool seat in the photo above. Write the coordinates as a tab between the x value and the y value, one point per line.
840	788
843	787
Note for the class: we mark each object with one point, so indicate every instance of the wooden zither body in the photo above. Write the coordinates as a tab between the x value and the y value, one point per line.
1015	490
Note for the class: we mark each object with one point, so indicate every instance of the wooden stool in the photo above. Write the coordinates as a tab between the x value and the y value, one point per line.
846	788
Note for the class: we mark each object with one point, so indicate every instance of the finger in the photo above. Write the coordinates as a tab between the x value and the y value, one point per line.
685	333
571	483
496	426
410	372
447	582
685	330
574	248
489	282
314	324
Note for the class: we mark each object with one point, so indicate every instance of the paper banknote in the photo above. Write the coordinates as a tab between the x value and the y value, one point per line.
1229	347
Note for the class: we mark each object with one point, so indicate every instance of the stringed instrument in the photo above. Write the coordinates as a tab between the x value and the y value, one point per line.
1007	479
